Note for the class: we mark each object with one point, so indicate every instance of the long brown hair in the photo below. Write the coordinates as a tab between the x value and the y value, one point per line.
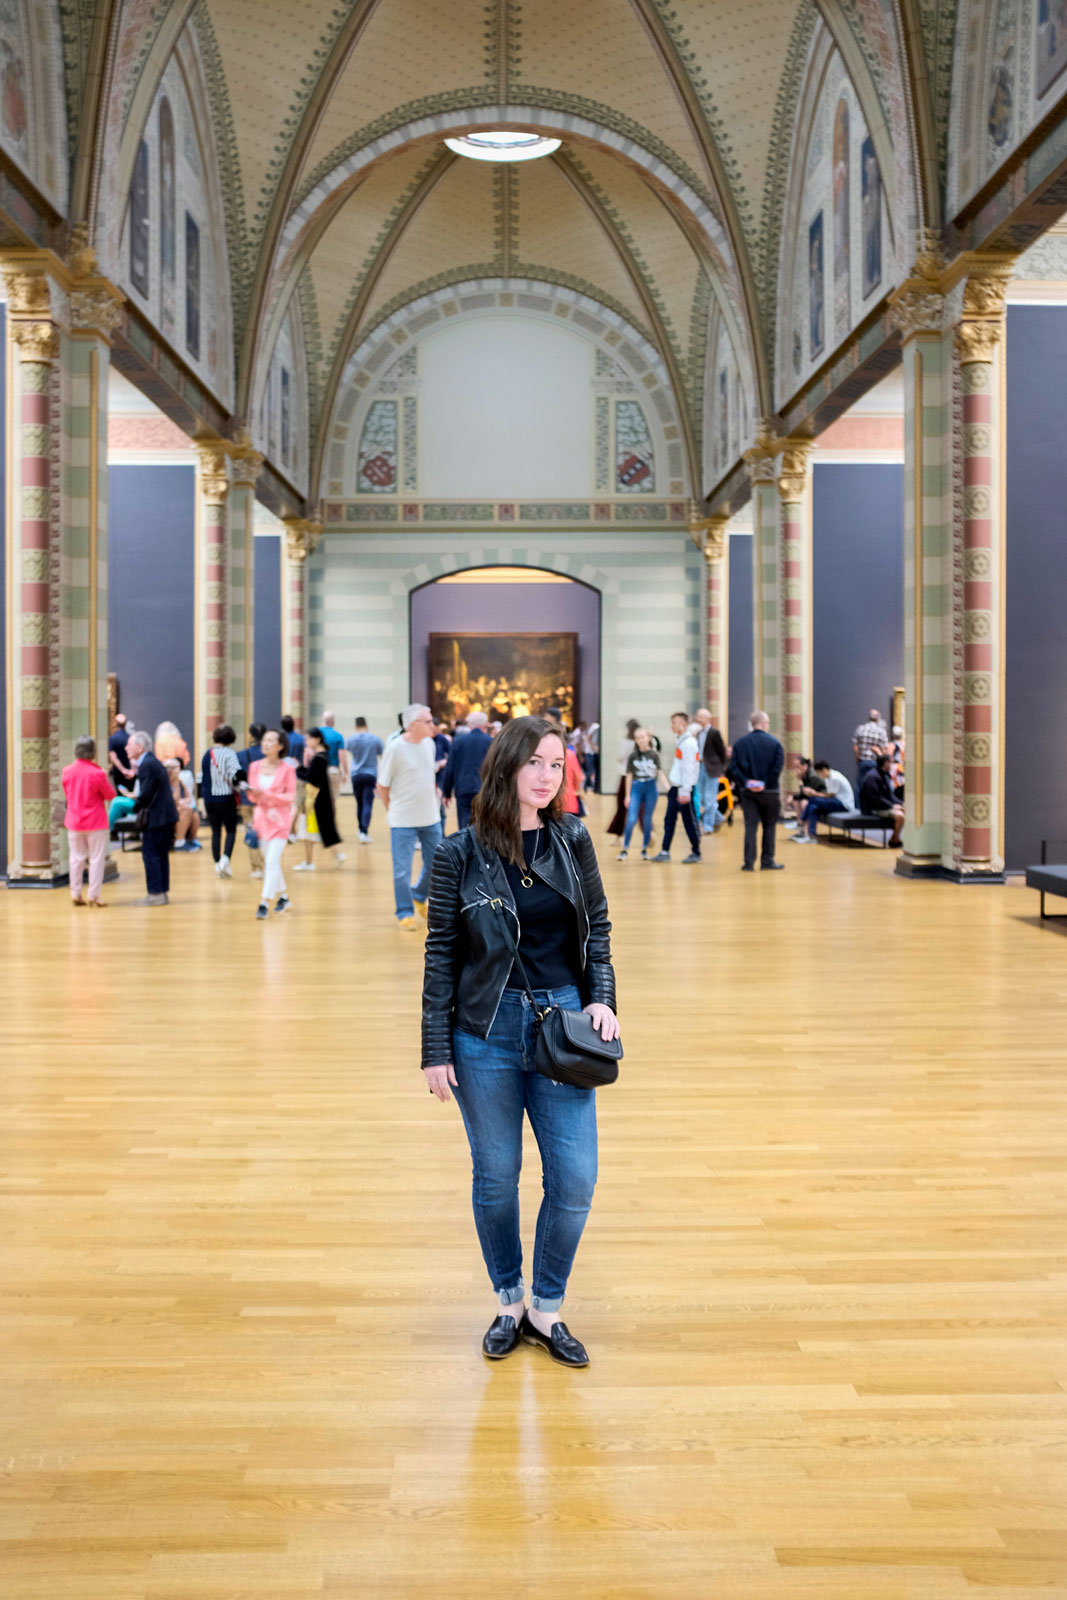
495	812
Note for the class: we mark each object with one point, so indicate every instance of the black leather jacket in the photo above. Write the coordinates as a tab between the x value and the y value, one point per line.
467	960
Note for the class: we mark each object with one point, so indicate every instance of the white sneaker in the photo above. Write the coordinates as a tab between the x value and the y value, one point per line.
801	838
364	838
256	872
791	822
223	868
304	866
218	869
340	855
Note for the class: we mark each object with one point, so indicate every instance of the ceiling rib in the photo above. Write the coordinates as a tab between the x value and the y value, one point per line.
348	334
667	51
577	182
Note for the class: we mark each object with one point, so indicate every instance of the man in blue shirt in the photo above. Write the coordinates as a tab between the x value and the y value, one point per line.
252	752
364	750
757	764
294	740
462	776
336	755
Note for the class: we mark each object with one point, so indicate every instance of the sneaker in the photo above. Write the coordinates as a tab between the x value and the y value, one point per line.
364	838
261	911
339	855
802	838
408	924
622	855
772	866
283	905
421	909
304	866
223	868
256	872
194	844
218	869
691	860
663	856
790	822
153	900
644	855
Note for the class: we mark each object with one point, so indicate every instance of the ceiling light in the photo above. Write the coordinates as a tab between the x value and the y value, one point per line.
501	145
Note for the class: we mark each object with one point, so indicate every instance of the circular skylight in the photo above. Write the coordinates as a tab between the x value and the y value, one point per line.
501	145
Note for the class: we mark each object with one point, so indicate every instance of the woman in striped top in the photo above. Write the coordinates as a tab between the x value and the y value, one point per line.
221	776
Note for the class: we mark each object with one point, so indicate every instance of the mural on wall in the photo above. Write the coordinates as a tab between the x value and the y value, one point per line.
168	215
281	416
181	281
842	231
192	287
379	449
871	208
139	226
634	461
1000	122
32	106
1051	42
816	289
727	429
838	248
505	675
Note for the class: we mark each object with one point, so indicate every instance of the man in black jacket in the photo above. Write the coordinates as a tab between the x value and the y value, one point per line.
878	800
757	764
155	805
463	770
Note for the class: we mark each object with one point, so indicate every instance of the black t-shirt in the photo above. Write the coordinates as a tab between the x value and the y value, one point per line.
548	938
118	742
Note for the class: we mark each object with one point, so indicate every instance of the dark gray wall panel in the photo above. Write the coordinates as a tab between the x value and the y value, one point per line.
267	638
741	686
3	600
1036	577
151	593
857	601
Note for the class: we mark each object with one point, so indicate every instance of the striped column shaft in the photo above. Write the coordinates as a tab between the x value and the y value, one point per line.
980	600
763	472
38	347
244	470
794	725
212	593
301	538
716	557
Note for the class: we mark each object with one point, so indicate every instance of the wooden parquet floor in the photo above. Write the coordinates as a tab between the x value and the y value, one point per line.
822	1284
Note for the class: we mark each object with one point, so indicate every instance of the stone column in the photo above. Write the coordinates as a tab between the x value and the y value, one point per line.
35	841
978	614
301	538
212	593
794	660
717	571
245	465
765	577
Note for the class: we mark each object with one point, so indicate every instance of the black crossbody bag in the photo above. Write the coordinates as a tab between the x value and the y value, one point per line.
569	1049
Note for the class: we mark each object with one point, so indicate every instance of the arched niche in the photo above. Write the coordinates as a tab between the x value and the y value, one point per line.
507	602
632	409
33	118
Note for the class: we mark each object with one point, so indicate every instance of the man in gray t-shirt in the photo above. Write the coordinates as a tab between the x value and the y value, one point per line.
365	749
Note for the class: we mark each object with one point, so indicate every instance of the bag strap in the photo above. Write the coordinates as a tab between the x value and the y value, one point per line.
509	938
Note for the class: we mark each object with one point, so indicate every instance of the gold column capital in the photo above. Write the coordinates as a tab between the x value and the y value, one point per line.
715	536
246	461
793	473
214	466
760	458
37	341
977	341
301	537
29	286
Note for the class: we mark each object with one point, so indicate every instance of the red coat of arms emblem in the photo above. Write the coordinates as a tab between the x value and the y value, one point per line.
632	470
380	471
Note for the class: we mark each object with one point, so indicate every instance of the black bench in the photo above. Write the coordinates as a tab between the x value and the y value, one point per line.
1047	879
851	822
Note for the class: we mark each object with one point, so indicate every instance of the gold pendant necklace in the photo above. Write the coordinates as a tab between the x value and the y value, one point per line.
527	875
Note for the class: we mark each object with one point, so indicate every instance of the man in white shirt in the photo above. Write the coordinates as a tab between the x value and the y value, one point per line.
838	797
407	786
683	776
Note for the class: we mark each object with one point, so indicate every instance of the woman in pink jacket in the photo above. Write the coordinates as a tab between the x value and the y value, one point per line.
272	790
88	791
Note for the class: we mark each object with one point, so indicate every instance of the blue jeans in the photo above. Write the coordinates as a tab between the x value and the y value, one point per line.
643	792
403	843
711	817
821	805
497	1084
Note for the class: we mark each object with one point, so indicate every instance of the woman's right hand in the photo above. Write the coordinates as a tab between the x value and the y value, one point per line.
439	1079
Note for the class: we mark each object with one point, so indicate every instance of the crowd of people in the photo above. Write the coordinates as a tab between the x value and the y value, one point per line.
284	787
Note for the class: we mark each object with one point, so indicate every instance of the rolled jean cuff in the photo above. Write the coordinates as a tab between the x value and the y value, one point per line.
540	1302
508	1297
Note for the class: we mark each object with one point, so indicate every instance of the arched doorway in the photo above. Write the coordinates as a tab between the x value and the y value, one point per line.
514	626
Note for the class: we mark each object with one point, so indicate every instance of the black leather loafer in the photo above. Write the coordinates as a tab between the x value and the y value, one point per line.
560	1343
501	1338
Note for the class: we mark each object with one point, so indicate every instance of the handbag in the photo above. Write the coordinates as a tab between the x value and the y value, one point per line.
569	1049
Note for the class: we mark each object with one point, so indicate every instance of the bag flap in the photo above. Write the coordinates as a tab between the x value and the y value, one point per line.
581	1035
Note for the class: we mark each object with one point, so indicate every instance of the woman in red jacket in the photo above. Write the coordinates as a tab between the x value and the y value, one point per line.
88	791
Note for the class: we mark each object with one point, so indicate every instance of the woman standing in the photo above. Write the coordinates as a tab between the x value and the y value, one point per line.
88	792
169	744
618	821
321	820
479	1028
272	790
642	777
220	780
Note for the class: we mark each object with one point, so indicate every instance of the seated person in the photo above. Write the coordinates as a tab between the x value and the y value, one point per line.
877	798
183	789
838	797
808	783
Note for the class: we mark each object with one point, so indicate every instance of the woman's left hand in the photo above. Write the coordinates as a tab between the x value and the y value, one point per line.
605	1021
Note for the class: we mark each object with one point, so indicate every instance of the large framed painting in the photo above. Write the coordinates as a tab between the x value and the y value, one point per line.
1051	42
505	675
